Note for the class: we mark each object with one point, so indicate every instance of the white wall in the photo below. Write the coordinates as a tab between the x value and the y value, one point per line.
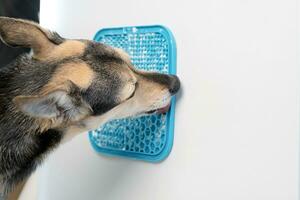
236	134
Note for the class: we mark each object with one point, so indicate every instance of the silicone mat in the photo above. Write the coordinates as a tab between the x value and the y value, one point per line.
148	138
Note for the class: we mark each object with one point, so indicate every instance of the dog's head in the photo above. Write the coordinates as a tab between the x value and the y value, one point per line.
87	80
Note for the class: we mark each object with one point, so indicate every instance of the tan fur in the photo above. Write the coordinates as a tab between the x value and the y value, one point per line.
46	124
14	195
29	34
26	33
123	54
127	90
89	123
67	49
79	73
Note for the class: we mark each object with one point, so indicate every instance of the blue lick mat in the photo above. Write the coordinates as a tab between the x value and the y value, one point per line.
148	138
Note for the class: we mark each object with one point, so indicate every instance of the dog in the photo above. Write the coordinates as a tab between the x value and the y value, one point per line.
63	88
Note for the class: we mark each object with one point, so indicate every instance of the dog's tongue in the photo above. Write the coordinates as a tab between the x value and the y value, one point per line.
164	109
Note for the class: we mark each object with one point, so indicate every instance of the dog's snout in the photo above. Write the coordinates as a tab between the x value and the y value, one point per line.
170	82
174	84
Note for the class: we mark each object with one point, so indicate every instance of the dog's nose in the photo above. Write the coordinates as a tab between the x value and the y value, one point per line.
174	84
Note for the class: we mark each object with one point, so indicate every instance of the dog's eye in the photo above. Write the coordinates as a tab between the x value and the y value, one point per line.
133	93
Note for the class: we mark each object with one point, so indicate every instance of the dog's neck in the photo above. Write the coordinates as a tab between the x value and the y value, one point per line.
22	143
22	149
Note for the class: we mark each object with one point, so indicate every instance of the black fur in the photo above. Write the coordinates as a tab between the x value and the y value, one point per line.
22	146
103	61
55	38
18	163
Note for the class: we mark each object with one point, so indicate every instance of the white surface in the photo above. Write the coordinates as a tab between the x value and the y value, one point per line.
236	134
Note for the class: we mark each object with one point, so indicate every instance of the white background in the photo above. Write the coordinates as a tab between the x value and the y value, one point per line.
236	134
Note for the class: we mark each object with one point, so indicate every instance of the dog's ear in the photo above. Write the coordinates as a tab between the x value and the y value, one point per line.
23	33
57	104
